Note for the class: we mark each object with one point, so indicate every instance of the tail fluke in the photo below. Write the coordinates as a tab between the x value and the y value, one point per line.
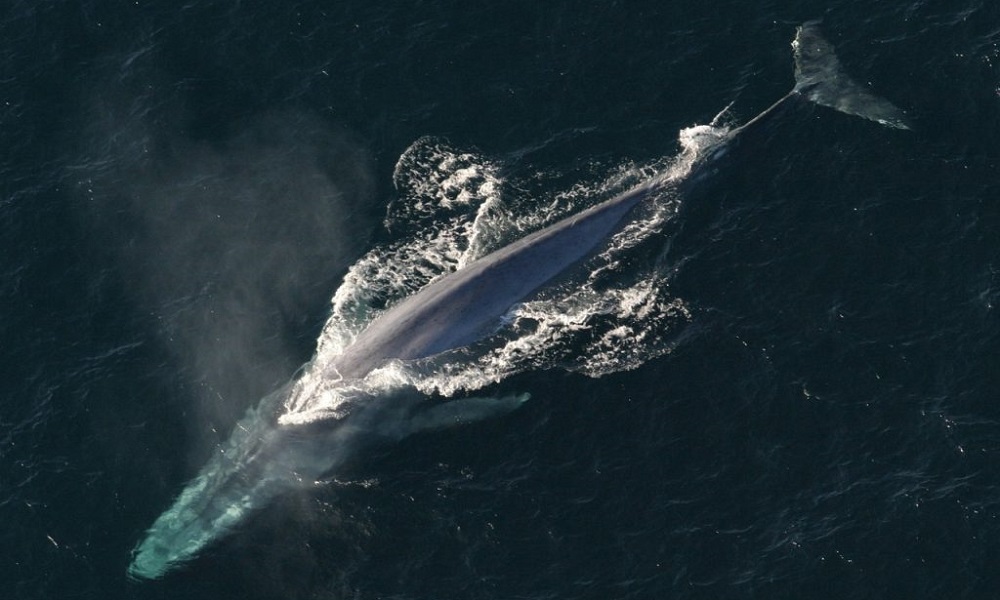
820	78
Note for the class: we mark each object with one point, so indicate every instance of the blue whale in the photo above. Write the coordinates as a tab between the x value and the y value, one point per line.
263	458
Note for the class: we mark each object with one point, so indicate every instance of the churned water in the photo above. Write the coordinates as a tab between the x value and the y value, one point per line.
783	384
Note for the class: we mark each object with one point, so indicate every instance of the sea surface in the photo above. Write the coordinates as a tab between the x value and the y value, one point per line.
185	186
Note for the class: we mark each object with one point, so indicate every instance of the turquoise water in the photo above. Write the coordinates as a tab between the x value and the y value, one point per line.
185	187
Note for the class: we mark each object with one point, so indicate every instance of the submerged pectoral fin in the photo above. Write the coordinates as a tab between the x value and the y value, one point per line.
465	410
820	78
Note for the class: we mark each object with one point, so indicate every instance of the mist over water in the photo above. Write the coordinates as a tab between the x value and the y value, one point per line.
226	244
184	189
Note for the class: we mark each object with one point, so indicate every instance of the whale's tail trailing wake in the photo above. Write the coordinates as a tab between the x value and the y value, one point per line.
820	78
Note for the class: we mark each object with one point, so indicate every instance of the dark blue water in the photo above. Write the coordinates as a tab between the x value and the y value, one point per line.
182	188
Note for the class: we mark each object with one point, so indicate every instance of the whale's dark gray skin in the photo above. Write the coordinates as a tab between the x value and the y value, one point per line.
264	458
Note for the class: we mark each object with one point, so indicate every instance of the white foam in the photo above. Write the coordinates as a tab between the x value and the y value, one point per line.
452	206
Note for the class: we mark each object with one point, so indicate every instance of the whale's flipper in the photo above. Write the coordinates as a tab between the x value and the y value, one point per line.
465	410
820	78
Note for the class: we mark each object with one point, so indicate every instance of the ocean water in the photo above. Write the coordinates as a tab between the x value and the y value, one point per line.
812	413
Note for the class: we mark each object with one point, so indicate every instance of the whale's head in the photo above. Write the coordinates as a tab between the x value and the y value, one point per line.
264	459
260	461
